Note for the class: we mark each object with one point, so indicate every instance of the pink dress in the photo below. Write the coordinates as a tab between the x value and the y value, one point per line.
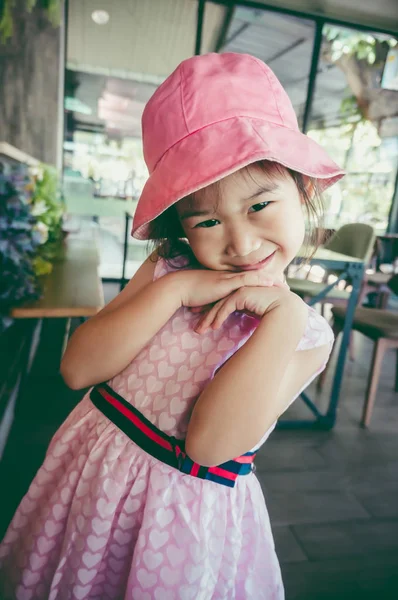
104	520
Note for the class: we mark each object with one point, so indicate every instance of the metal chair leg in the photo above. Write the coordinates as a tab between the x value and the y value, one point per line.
66	336
383	299
374	376
396	371
351	347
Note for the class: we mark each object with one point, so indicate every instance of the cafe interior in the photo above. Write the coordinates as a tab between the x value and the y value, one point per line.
71	101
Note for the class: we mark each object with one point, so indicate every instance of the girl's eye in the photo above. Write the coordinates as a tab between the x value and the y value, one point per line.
258	207
205	224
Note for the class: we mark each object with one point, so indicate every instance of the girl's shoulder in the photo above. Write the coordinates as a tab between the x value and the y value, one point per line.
317	332
164	266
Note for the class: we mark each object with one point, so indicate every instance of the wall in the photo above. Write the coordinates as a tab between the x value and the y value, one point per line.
31	86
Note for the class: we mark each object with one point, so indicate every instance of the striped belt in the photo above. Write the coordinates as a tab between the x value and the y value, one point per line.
164	447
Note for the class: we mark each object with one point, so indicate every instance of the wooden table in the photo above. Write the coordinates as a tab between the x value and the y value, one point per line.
388	236
72	289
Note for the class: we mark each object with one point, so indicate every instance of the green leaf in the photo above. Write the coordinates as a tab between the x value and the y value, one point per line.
52	9
371	57
6	22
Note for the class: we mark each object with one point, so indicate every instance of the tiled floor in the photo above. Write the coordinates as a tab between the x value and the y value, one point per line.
332	496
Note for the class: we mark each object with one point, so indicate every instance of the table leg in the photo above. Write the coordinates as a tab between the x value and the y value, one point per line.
26	336
125	250
355	272
66	336
18	375
33	343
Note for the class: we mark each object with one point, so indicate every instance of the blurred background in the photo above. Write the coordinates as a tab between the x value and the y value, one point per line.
74	79
86	81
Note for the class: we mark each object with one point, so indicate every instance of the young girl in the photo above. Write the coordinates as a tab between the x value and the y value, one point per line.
147	490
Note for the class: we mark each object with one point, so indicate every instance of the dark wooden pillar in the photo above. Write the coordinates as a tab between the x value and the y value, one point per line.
31	78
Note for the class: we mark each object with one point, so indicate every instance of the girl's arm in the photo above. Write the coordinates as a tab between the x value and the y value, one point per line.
255	386
104	345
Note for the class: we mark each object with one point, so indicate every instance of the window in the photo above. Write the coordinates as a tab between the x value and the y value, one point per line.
352	118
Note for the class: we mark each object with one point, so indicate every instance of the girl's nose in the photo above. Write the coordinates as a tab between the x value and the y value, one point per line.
242	242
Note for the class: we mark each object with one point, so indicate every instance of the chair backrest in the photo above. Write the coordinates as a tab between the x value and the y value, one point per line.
355	239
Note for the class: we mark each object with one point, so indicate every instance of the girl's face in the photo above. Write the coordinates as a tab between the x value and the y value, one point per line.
255	222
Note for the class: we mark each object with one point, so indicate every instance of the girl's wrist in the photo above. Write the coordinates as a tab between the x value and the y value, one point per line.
174	286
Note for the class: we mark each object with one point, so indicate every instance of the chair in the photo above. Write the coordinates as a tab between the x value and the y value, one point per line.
376	283
381	326
355	239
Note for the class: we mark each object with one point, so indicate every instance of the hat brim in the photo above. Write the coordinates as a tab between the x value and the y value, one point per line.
212	153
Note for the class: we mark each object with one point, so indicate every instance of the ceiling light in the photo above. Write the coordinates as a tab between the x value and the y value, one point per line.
100	17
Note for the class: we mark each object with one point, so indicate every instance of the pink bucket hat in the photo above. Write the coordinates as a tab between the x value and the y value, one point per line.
215	114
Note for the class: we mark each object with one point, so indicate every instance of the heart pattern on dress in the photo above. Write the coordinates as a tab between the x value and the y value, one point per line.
103	519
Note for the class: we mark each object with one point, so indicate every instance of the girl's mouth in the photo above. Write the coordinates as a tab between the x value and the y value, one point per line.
258	265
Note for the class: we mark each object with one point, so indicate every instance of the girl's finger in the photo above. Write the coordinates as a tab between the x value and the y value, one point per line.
200	309
209	317
206	320
220	313
225	310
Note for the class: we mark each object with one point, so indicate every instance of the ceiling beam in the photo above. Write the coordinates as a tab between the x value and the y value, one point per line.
316	16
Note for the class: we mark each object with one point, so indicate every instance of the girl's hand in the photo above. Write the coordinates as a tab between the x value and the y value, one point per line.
199	288
267	283
254	301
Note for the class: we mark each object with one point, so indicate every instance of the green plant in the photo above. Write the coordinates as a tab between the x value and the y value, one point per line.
19	243
48	210
361	45
349	108
51	8
361	56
